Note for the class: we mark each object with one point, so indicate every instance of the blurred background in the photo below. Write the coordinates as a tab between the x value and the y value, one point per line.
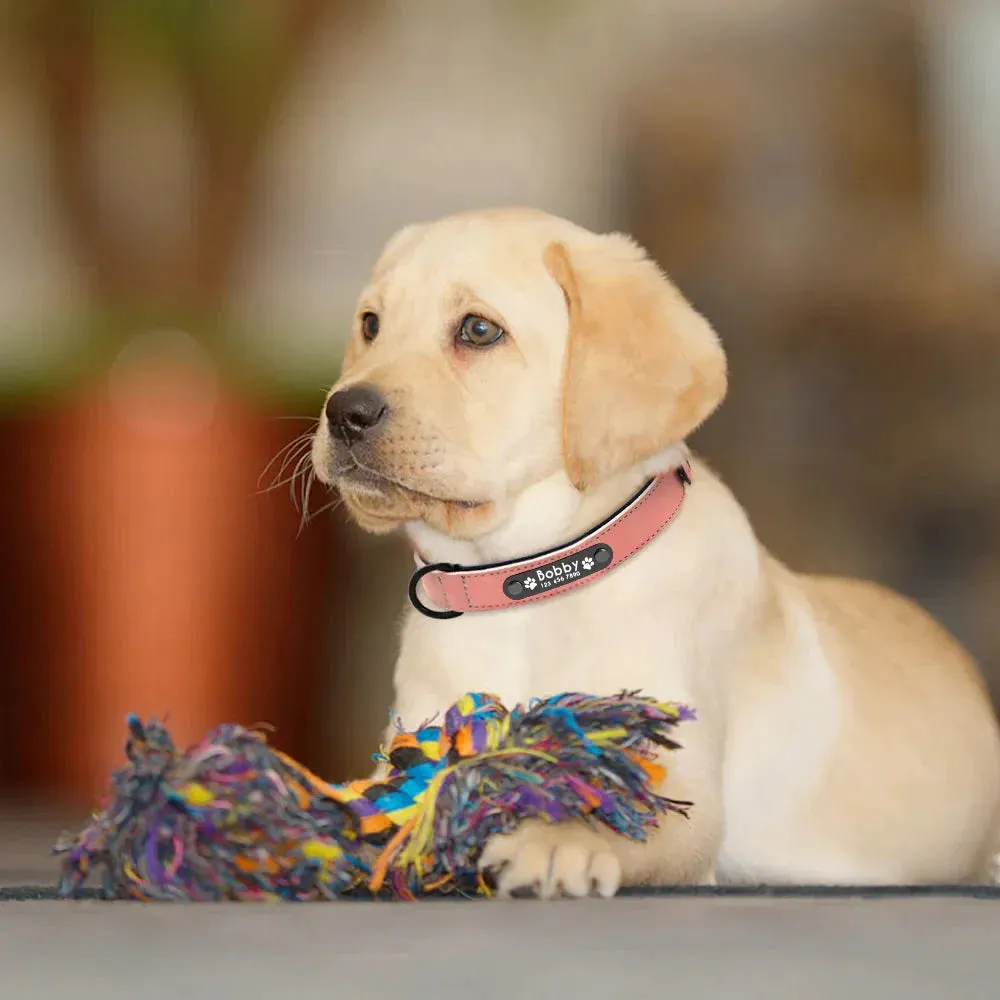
191	194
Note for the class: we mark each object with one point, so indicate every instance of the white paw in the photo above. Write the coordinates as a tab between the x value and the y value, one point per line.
548	860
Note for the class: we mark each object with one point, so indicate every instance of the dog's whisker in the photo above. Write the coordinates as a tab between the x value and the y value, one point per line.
295	454
306	516
280	479
303	493
267	468
292	482
288	480
284	454
289	463
302	467
332	505
306	490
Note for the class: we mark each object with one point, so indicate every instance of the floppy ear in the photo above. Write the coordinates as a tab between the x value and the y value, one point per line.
643	369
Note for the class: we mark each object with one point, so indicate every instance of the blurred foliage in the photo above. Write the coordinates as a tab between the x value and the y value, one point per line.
230	65
239	51
237	38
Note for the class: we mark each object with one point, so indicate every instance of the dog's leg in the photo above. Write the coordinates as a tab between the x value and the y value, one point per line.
575	859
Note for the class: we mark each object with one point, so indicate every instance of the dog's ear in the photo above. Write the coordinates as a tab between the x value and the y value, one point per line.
643	369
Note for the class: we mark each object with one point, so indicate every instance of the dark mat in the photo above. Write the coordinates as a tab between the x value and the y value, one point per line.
22	893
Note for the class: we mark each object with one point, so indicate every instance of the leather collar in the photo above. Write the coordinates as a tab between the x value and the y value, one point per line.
456	590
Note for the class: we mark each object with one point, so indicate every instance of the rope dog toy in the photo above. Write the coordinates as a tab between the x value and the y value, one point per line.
232	818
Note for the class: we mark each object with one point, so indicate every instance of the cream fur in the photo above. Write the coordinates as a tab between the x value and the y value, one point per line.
843	736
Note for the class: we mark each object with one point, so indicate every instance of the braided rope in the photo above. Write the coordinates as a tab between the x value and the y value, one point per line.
233	818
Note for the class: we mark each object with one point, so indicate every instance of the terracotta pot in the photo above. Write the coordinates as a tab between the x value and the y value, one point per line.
165	584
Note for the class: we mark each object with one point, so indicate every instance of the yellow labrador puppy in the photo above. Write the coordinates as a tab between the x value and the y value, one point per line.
516	397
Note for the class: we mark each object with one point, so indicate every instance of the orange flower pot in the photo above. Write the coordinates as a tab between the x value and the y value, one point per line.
172	586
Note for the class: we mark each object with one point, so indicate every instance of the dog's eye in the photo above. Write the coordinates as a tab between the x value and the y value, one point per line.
369	326
479	332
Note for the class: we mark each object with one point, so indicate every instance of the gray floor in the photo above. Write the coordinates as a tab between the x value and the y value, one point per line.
746	948
27	834
741	948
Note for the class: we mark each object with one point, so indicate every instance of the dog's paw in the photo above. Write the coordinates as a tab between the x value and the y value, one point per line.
548	860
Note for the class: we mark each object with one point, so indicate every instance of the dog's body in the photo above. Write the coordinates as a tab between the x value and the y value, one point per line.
842	736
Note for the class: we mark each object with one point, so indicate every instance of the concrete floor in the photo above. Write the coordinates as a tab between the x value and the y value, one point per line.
712	947
27	833
787	949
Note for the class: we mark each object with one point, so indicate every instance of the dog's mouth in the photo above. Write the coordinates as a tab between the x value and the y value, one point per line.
354	475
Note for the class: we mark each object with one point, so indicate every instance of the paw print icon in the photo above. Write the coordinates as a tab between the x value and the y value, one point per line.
529	583
587	563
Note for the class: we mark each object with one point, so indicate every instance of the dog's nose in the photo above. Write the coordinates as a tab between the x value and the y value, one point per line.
355	412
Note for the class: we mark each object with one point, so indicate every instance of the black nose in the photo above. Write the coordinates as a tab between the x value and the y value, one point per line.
355	411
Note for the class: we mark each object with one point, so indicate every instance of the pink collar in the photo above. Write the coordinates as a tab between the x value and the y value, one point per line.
458	589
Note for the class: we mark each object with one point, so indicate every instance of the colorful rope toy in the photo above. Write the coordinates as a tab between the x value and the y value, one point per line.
234	819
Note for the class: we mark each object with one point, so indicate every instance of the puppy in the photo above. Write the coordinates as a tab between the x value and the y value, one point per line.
511	381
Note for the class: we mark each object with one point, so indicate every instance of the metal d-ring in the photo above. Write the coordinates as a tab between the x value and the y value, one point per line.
415	599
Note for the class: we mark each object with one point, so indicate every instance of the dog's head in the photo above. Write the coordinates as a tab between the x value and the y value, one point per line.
493	350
